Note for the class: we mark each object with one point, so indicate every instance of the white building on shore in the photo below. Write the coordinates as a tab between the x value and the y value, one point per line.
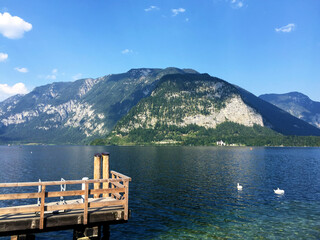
221	143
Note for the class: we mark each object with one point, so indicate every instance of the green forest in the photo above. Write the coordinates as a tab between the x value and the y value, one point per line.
232	134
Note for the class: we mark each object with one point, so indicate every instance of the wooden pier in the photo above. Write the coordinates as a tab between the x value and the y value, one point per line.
86	210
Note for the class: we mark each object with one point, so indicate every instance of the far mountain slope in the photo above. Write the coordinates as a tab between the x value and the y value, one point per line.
297	104
278	119
42	115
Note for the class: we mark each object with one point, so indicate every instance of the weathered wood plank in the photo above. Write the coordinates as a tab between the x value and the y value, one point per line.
65	193
65	207
117	196
43	197
55	206
30	184
86	205
54	222
102	191
19	196
97	172
19	209
105	171
113	177
119	185
120	175
107	204
126	197
58	194
50	183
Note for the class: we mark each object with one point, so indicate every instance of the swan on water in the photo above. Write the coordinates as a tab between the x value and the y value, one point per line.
278	191
239	187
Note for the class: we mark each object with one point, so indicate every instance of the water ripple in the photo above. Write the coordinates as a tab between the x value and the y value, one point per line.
190	192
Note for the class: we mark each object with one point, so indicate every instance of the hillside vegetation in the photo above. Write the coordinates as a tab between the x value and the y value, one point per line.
196	110
143	103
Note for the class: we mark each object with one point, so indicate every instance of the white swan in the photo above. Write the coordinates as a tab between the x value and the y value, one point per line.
239	187
278	191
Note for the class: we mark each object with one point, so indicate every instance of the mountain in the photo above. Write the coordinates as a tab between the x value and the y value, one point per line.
183	108
178	101
278	119
76	112
297	104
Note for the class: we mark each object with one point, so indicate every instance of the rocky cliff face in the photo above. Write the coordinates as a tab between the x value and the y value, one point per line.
235	110
9	103
191	99
77	112
47	108
184	103
82	110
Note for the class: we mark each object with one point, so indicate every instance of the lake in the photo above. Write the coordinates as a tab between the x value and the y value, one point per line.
190	192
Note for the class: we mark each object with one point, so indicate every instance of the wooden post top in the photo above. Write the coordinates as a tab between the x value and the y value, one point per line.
105	154
97	155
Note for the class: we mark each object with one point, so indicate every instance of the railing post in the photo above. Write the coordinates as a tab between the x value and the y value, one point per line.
83	187
112	186
39	191
43	196
97	172
126	197
105	171
86	203
63	188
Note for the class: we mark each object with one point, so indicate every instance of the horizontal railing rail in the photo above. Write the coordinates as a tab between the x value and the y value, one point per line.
120	175
117	189
49	183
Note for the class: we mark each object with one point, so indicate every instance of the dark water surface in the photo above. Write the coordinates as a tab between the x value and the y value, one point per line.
190	192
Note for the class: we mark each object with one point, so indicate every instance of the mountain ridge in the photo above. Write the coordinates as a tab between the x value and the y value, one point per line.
80	111
297	104
194	104
85	108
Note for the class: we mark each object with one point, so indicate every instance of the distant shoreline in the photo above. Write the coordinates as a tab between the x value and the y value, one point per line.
155	145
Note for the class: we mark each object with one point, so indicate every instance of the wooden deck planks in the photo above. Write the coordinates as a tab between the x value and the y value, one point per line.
111	208
53	219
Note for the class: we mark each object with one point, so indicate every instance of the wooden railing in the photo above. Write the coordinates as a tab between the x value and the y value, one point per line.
117	188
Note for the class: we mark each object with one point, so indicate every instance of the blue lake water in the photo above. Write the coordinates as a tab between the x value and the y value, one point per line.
190	192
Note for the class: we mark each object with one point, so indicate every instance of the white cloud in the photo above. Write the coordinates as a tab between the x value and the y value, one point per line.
22	70
8	91
126	51
237	3
77	76
176	11
288	28
3	57
151	8
53	75
13	27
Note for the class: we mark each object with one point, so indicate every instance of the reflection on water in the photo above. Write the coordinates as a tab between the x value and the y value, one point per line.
190	192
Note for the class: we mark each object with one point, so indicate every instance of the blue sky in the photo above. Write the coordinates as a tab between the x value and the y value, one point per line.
263	46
